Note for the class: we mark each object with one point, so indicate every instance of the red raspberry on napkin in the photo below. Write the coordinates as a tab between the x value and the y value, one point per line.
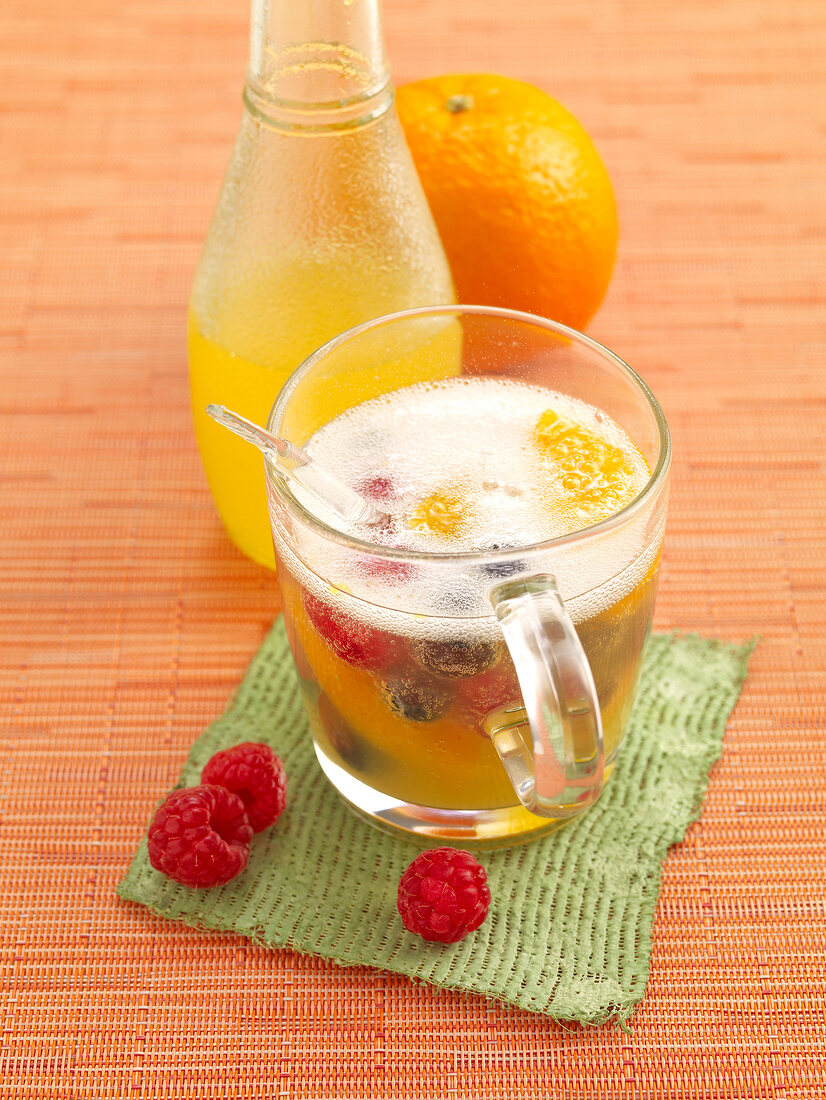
200	836
253	772
443	896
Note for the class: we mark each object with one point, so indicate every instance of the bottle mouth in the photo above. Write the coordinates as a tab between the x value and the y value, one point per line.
317	86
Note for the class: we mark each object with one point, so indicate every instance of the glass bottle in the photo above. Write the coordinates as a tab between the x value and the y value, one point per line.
321	223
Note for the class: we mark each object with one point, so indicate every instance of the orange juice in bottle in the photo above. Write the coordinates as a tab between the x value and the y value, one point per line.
321	223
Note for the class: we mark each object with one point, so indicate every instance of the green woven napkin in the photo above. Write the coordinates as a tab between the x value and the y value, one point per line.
569	931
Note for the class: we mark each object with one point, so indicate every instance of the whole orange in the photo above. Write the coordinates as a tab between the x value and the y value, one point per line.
523	203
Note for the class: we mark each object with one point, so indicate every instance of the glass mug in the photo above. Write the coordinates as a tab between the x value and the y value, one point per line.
552	633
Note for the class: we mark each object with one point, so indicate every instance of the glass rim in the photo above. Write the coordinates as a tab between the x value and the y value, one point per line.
651	488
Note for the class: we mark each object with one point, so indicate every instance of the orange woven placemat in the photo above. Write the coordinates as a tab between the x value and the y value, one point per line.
126	619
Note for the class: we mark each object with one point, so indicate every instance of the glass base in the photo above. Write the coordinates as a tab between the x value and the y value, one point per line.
499	828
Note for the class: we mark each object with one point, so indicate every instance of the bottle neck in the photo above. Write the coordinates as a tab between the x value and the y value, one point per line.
317	64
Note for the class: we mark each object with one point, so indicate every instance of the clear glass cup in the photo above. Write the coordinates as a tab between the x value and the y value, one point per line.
522	737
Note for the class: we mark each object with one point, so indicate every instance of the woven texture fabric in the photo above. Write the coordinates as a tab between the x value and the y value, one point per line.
569	930
127	618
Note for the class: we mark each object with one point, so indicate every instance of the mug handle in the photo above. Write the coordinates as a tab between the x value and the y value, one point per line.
564	774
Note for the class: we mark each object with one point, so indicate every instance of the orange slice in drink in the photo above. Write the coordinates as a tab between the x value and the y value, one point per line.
445	512
590	478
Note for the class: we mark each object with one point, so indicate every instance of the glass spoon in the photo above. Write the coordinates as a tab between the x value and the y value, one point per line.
292	463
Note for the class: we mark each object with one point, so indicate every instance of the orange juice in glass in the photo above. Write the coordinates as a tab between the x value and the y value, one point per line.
469	664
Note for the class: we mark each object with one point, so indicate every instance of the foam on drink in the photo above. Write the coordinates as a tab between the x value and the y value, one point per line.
474	464
467	463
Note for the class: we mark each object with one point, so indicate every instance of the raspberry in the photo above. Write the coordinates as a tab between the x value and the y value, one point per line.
384	569
256	775
443	896
498	687
200	836
354	642
377	487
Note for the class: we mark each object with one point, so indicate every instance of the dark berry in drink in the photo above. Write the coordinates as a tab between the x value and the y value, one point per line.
355	642
501	570
415	698
457	657
341	735
507	567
